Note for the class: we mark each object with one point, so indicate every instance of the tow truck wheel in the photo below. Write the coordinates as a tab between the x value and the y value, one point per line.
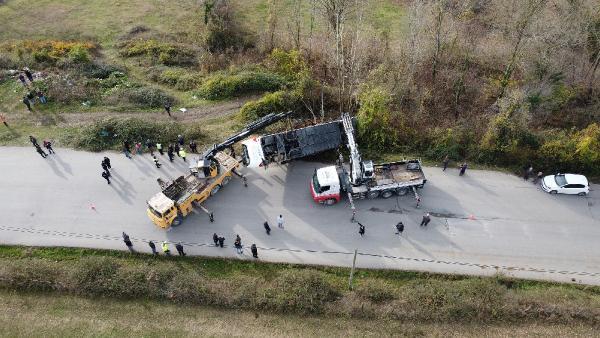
215	190
330	201
387	194
401	191
226	180
372	194
177	221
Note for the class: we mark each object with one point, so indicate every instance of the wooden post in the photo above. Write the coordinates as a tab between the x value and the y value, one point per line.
352	271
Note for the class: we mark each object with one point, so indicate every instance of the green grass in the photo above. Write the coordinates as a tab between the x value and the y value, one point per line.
53	315
383	295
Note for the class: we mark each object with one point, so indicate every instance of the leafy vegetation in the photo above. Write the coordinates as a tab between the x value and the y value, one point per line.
222	86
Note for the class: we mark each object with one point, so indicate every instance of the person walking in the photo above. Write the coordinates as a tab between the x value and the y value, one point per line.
254	250
23	81
426	219
463	169
48	146
106	160
105	168
28	74
156	163
267	228
538	178
170	152
165	248
221	241
168	109
27	103
106	176
150	147
418	200
280	222
179	248
361	229
177	149
40	151
127	242
182	154
238	245
138	148
445	162
160	149
527	172
41	97
34	141
399	228
153	248
126	151
216	239
3	120
193	147
180	140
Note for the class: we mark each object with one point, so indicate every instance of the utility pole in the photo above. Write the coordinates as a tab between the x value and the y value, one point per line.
352	271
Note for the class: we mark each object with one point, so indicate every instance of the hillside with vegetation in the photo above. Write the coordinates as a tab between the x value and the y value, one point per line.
504	82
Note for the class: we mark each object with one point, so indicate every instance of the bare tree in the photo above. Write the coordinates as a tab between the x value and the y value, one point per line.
272	22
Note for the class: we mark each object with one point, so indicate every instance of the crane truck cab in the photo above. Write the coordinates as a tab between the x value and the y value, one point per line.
325	186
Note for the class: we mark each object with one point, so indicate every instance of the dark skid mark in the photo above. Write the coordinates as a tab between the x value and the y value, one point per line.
395	211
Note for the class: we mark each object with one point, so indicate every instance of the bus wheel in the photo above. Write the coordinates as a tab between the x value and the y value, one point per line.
372	194
215	190
330	201
387	194
401	191
226	180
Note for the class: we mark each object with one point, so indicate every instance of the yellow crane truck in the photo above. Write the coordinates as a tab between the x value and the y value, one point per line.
212	171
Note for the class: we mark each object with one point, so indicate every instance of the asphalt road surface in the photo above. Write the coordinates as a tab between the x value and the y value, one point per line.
484	223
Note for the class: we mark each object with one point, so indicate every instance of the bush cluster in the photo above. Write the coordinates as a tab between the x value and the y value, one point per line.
110	133
165	53
222	86
420	297
270	103
52	52
181	79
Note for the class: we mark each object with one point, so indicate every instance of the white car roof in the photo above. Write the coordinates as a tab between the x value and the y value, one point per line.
255	153
327	176
576	179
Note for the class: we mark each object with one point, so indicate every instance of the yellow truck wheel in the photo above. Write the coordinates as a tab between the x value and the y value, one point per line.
215	189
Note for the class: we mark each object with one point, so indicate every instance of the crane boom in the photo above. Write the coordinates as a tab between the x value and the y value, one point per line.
356	172
249	129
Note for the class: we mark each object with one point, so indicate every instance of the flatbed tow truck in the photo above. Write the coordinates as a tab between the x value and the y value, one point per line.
213	171
364	179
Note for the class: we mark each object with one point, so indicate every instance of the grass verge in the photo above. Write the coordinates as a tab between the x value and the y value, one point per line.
284	288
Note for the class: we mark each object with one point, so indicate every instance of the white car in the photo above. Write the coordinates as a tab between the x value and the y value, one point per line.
571	184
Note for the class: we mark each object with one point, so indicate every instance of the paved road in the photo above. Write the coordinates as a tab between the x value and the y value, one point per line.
515	228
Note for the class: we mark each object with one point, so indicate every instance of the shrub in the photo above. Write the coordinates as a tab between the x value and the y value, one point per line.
304	291
164	53
270	103
66	89
457	143
225	86
31	275
181	79
376	291
52	51
100	70
148	97
96	276
374	119
110	133
224	31
289	64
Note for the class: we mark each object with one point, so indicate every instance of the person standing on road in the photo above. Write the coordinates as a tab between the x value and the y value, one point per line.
280	222
216	239
180	140
34	141
221	241
48	145
105	168
527	172
156	163
177	149
267	228
106	160
153	248
160	149
538	178
170	152
179	248
399	228
254	250
182	154
238	245
106	176
418	200
361	229
445	162
127	149
40	151
138	148
165	248
127	242
426	219
150	146
463	169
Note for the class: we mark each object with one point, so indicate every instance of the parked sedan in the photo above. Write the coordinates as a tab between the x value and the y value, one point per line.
571	184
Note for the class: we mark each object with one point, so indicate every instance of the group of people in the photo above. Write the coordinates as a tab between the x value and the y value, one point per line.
462	167
399	226
164	246
47	144
176	148
34	93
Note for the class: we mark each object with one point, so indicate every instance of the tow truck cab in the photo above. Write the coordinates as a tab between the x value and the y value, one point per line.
161	210
325	186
